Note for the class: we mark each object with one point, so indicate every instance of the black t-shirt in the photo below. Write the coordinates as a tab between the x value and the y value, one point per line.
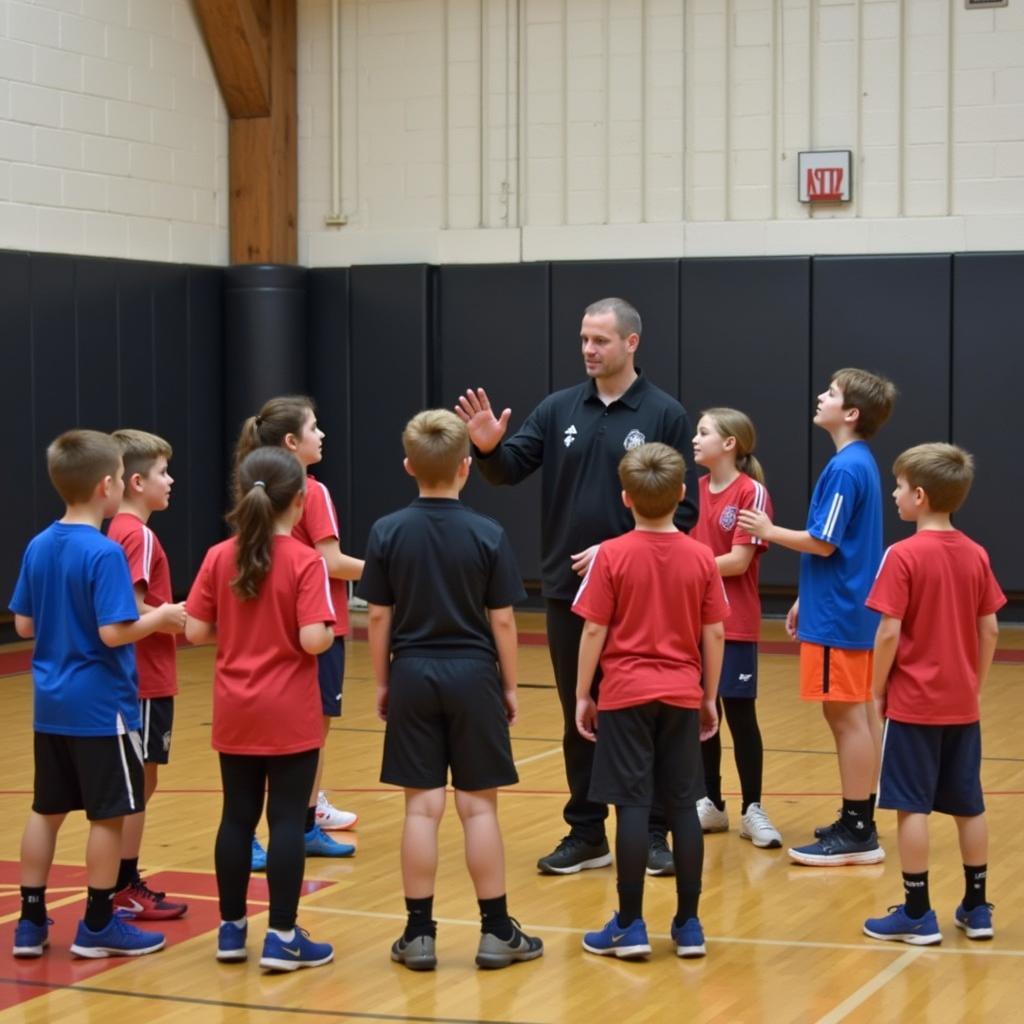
441	566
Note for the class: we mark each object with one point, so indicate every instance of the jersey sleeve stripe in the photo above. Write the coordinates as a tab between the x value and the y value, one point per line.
331	512
833	516
327	588
885	555
586	579
760	503
147	552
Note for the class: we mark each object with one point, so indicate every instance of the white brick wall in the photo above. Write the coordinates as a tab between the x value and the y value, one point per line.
113	136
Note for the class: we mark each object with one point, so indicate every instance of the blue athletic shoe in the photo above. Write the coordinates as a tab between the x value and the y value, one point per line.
119	938
320	844
976	923
259	856
614	940
898	927
31	939
689	938
231	941
300	951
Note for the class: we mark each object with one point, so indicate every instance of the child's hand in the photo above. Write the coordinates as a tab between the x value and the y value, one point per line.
586	718
172	618
474	409
880	706
708	720
582	559
382	703
511	705
755	522
793	619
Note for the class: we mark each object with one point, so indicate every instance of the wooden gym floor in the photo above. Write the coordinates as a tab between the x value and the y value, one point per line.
784	942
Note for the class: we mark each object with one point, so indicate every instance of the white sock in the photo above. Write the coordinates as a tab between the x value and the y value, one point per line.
240	923
283	936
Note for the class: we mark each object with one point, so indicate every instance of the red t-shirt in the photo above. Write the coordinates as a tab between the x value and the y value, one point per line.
155	655
320	522
266	698
939	583
719	528
654	591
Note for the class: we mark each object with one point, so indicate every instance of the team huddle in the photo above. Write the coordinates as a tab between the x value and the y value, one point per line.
650	580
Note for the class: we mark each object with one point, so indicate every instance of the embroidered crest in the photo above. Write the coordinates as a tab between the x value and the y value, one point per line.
570	436
727	520
633	440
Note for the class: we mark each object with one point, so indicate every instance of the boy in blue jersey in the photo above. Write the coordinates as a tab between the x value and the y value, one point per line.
840	550
74	595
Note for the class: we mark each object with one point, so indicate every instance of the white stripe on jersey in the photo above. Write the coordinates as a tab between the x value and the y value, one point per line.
329	505
327	587
833	516
586	579
147	552
760	503
885	555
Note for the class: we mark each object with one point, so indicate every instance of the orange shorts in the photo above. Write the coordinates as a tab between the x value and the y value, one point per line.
835	674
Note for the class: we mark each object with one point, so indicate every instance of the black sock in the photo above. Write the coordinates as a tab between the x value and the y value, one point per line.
686	905
420	922
494	917
127	872
974	885
33	903
631	902
310	817
872	799
99	908
857	818
915	888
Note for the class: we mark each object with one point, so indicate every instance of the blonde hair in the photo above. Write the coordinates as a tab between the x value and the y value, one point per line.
871	395
78	460
738	425
652	476
435	442
943	471
140	450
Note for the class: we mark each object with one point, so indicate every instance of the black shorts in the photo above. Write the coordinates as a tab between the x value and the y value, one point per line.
157	714
101	775
648	750
739	670
446	712
330	669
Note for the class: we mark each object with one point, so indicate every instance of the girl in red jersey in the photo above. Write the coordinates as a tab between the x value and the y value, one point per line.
724	444
264	598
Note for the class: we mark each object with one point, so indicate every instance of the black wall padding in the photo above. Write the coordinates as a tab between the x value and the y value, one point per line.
988	367
745	343
493	333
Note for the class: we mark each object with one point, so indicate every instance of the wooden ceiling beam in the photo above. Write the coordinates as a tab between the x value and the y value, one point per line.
238	37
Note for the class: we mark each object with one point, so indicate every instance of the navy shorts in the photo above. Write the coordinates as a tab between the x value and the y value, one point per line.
739	670
157	715
330	668
929	768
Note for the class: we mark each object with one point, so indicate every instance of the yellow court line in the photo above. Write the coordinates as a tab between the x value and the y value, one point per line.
869	988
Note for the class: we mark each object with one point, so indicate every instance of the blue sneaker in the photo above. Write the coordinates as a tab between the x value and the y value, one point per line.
614	940
300	951
898	927
31	939
259	856
689	938
320	844
840	847
119	938
231	941
976	923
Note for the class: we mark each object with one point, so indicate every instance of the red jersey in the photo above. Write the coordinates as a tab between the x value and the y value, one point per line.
155	655
939	583
320	522
654	591
719	528
266	698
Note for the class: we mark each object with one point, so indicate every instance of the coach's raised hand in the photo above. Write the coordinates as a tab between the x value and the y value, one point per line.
485	431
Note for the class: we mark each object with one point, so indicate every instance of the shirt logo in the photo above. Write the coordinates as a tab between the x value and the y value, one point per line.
633	440
570	436
727	520
745	677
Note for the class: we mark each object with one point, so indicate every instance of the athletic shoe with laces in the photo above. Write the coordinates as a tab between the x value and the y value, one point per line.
711	818
896	926
838	849
291	954
689	938
259	856
418	953
143	904
626	943
493	952
976	923
119	938
231	941
31	939
574	854
659	857
826	830
758	828
329	818
319	844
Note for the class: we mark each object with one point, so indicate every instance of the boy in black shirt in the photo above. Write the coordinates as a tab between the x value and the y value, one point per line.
440	581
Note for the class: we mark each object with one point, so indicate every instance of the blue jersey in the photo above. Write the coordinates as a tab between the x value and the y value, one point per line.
846	510
72	581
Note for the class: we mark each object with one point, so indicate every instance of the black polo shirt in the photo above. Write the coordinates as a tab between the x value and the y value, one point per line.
441	565
579	441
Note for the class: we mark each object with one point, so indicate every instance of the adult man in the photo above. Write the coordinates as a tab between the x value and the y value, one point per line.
578	435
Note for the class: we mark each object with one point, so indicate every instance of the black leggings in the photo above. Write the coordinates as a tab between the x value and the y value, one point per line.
741	714
245	778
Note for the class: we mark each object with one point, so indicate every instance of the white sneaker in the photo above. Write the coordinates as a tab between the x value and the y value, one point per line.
329	818
757	827
711	818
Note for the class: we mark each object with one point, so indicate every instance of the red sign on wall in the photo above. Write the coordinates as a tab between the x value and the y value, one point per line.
824	176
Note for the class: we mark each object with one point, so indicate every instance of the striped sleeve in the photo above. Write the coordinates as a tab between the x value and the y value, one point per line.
834	504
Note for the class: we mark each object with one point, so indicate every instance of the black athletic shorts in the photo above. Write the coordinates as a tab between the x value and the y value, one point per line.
101	775
330	670
446	713
645	751
157	715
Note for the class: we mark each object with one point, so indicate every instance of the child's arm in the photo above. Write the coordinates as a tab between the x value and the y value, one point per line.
379	628
199	632
887	638
737	561
316	637
757	524
339	565
591	644
24	626
712	651
168	618
503	626
988	635
144	609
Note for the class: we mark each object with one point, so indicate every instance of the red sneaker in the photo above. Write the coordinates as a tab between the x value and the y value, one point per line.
138	900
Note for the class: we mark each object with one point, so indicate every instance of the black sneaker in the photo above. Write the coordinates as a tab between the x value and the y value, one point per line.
659	857
494	953
838	848
573	855
827	830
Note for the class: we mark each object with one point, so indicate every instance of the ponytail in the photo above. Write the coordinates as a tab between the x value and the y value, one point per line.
738	425
748	464
278	418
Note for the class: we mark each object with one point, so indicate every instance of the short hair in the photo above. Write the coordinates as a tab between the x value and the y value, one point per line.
871	395
140	450
435	442
652	475
78	460
943	471
627	319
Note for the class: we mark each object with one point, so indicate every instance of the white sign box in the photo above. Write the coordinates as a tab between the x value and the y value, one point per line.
825	176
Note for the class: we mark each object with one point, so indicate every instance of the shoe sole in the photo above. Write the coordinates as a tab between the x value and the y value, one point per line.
708	829
771	844
151	915
31	952
908	937
839	860
622	952
98	952
339	828
495	961
691	952
661	872
273	964
415	963
324	853
232	956
978	934
573	869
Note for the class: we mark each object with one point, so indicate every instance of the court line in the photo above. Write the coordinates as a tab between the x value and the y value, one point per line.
538	757
869	988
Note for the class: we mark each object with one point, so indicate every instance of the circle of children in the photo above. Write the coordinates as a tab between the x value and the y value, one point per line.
906	638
